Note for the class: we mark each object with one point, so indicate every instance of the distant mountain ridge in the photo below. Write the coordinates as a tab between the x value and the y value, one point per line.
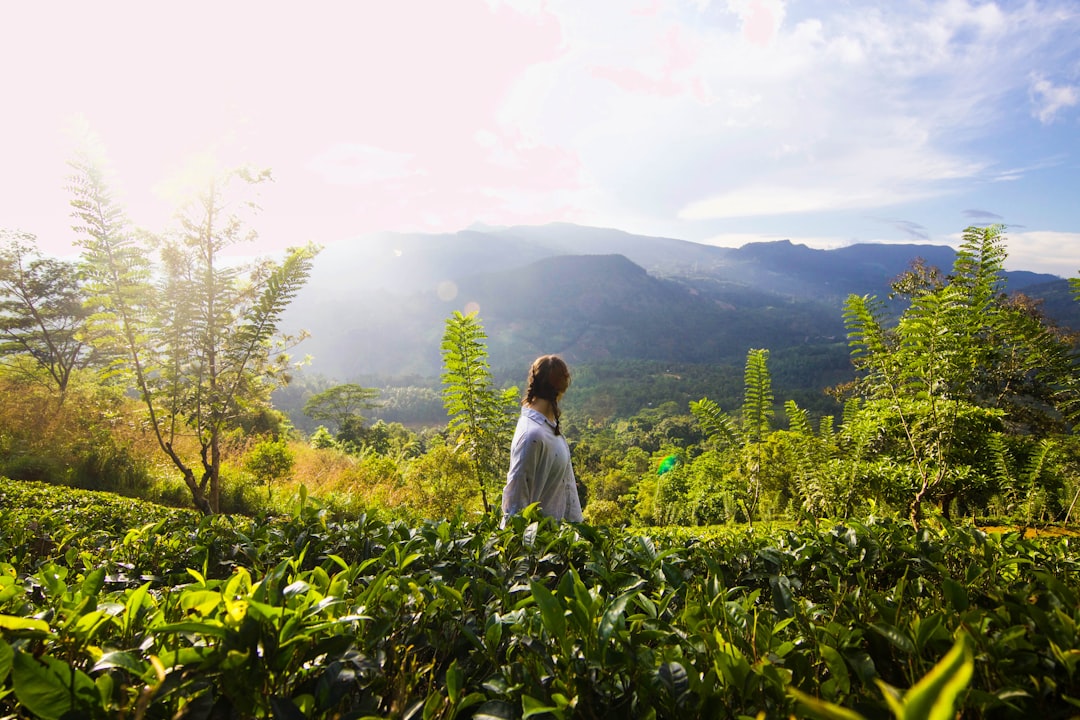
378	305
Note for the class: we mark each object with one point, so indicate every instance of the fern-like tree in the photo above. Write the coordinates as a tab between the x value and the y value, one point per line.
963	361
743	436
42	316
481	417
197	336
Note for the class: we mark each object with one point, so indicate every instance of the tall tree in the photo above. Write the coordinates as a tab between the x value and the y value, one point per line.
961	361
341	406
41	310
480	417
199	336
743	436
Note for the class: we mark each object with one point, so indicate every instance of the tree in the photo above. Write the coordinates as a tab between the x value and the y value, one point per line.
744	435
41	310
824	465
480	417
963	361
199	337
269	461
340	406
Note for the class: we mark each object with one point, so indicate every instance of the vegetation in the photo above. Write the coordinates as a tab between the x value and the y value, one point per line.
195	337
962	363
479	417
41	312
309	615
340	405
964	401
706	581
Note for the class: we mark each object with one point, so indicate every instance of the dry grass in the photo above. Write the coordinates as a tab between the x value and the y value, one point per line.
1048	531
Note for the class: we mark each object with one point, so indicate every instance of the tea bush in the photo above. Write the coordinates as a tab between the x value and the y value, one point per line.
110	607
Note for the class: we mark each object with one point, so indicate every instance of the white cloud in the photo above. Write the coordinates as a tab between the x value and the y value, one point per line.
779	200
1048	99
681	112
1044	251
759	19
356	164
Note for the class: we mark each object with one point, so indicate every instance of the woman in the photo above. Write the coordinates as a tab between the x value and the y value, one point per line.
540	469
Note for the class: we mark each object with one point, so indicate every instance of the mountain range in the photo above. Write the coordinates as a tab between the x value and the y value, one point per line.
377	305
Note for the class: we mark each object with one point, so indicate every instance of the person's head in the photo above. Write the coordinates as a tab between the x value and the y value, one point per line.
549	377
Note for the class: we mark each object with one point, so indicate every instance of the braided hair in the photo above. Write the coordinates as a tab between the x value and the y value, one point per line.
548	378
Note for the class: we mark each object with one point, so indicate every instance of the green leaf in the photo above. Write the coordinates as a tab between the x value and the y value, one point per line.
120	659
455	678
934	696
452	594
187	656
531	706
9	588
7	656
135	601
955	593
200	602
675	678
614	612
929	627
495	710
52	577
781	595
551	611
528	538
93	582
821	710
493	635
11	622
431	706
195	628
896	636
50	688
837	668
715	423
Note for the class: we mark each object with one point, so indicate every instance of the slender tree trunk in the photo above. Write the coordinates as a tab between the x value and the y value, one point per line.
198	497
915	508
215	472
483	489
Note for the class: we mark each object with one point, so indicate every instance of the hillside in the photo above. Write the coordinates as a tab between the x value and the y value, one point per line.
377	306
586	307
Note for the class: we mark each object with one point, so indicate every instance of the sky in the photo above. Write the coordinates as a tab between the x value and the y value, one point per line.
826	122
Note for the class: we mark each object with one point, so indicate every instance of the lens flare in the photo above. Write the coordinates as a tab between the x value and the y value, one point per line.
667	463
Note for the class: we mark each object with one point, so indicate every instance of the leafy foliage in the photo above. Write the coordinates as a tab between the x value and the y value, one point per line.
960	363
308	615
200	345
479	415
743	438
341	404
41	310
270	460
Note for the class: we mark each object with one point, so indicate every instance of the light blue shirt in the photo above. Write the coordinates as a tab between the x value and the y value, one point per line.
540	470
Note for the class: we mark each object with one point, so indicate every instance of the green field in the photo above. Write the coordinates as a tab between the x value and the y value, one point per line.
111	607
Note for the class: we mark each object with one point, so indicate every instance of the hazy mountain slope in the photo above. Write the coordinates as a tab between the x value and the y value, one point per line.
832	274
658	255
603	306
586	307
378	304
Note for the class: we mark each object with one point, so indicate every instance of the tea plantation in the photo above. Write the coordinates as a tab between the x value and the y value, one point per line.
116	608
